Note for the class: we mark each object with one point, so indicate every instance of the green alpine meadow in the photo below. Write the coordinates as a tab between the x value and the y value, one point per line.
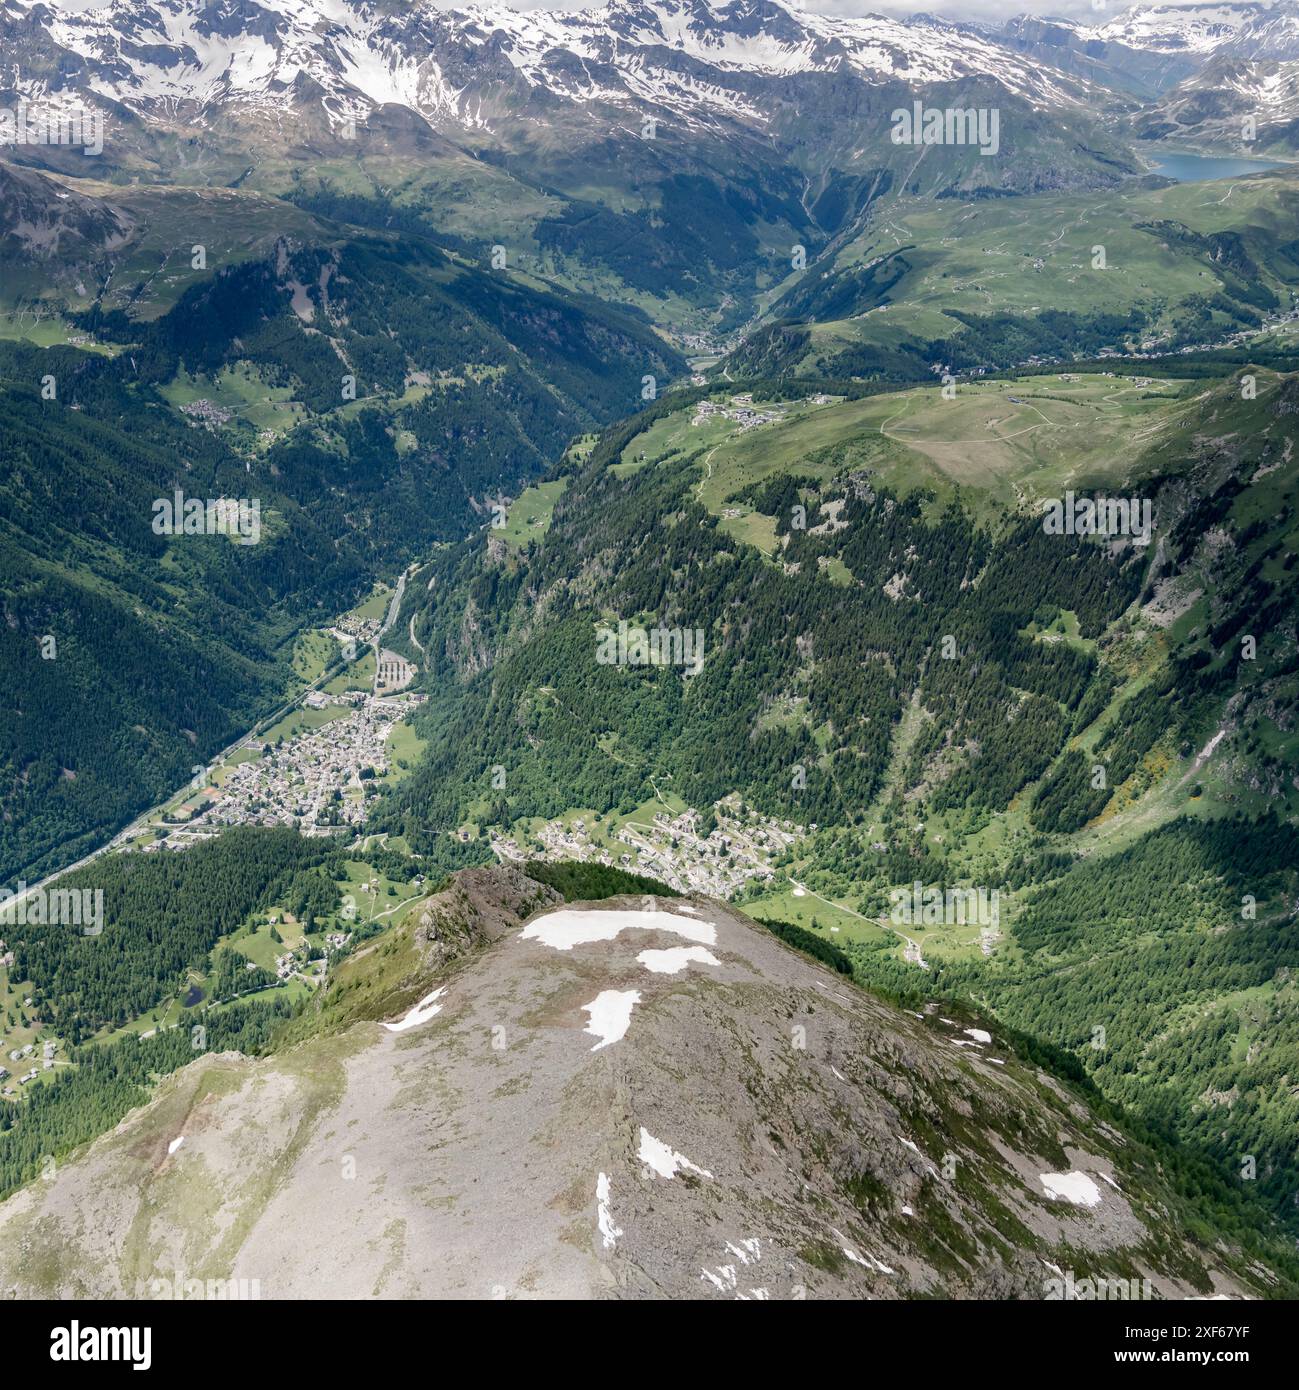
650	652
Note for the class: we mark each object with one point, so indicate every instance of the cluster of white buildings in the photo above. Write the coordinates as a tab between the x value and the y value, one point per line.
206	413
740	409
24	1054
670	848
317	779
350	628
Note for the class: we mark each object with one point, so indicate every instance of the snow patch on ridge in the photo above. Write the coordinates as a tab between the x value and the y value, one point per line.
663	1160
674	959
604	1217
421	1013
1074	1187
567	928
610	1012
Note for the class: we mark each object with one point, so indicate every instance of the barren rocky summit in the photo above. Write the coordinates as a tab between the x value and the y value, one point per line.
638	1097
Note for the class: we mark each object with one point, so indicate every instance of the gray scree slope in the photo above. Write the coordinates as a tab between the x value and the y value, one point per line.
464	1156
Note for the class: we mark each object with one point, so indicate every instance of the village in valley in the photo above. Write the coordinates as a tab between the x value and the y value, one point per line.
317	780
672	846
318	766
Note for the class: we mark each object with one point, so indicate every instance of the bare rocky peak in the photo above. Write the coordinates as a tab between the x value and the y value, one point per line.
636	1097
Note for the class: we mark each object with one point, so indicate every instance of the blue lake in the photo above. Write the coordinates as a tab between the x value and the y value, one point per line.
1196	168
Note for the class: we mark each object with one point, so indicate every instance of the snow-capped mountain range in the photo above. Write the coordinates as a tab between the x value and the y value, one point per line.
480	67
685	56
1196	29
1247	73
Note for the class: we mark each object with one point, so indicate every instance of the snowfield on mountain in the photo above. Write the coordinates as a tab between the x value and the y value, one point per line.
181	54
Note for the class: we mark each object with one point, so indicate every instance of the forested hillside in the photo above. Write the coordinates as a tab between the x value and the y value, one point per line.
185	961
902	657
762	622
819	487
369	397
